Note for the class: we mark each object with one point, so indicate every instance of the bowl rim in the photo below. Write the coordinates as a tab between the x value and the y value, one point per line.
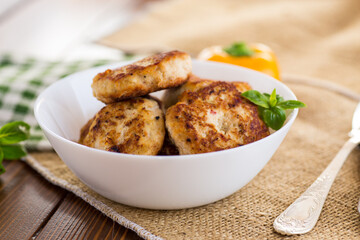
40	98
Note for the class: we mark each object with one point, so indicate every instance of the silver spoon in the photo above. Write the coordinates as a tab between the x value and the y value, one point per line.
301	216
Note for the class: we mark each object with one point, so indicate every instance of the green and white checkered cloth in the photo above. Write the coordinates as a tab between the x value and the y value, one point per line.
21	81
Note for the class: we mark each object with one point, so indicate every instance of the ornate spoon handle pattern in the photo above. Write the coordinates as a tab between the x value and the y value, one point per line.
301	216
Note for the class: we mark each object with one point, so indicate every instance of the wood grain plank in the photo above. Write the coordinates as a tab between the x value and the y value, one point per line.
12	168
76	219
26	201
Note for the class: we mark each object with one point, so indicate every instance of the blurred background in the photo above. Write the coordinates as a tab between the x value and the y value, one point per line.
316	42
63	29
317	38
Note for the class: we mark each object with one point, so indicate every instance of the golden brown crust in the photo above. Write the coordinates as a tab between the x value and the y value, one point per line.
85	130
171	96
160	71
134	126
213	117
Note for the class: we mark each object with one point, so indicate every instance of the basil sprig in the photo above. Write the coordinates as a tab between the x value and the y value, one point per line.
10	135
239	49
272	107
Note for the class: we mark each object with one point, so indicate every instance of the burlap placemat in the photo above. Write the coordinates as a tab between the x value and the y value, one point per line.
317	134
318	38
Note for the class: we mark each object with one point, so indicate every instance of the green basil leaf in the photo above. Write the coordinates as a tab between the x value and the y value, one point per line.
12	152
14	132
261	112
279	98
256	98
291	104
239	49
273	99
2	169
274	117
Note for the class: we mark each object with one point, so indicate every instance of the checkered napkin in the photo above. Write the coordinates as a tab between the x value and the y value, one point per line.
21	81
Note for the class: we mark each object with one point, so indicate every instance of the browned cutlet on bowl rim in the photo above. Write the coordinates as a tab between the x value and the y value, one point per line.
156	72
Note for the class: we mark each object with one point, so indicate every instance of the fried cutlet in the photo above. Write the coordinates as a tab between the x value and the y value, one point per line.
213	117
134	126
171	96
160	71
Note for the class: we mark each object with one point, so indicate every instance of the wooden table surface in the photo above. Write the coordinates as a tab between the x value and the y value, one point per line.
31	207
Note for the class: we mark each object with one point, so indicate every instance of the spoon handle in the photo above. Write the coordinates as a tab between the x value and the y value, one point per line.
301	216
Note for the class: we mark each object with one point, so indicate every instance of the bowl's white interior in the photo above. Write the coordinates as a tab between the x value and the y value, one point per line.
69	103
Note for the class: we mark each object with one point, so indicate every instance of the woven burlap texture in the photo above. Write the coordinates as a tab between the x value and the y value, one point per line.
318	38
316	136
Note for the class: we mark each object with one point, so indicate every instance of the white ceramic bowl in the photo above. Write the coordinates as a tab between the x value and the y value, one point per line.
154	182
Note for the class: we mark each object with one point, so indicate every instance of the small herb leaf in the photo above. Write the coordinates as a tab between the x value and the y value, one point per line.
273	99
256	98
291	104
274	117
14	132
279	99
239	49
14	151
272	107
